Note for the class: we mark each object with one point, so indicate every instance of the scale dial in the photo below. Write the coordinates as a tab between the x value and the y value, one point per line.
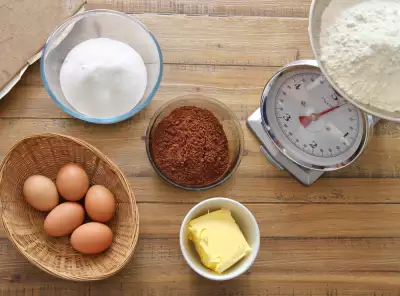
310	122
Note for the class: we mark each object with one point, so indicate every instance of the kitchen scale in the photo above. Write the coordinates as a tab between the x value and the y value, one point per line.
305	126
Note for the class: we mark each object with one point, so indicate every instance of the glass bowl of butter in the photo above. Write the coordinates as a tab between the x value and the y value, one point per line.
220	239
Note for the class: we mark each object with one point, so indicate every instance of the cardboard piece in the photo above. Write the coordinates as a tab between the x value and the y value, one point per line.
25	26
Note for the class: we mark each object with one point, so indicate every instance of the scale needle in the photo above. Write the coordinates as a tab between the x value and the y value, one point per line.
306	120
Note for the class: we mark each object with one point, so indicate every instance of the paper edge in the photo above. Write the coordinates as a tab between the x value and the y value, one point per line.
10	85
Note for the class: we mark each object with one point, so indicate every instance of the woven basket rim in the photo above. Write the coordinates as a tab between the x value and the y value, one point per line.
114	168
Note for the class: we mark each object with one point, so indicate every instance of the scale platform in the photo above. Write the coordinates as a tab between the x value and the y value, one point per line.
268	148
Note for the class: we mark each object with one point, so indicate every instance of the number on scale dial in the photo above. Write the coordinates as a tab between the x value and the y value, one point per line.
314	118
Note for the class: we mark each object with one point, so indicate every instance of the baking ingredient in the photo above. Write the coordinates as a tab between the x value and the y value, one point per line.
41	193
103	78
100	203
91	238
64	219
218	240
72	182
190	147
360	49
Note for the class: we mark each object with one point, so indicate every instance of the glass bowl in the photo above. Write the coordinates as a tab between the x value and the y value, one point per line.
96	24
226	117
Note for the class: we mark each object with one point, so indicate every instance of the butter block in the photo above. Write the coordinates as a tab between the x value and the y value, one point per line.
218	240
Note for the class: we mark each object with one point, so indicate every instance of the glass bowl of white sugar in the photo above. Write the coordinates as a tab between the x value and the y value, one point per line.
101	66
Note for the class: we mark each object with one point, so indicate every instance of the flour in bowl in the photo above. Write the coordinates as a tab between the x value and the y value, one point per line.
103	78
361	51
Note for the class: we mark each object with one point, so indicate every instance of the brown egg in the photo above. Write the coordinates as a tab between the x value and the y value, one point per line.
41	193
100	203
91	238
72	182
64	219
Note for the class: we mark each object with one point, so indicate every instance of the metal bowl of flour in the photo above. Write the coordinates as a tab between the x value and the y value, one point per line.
319	20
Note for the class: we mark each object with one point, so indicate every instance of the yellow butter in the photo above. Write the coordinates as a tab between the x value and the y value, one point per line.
218	240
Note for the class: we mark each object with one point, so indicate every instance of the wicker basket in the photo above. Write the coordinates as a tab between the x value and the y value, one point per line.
45	154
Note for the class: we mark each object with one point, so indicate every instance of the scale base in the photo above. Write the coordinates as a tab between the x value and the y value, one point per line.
268	148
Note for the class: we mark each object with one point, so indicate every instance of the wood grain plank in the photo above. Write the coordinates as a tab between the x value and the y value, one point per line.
218	77
283	267
258	285
59	289
288	220
265	285
238	87
224	40
266	190
124	144
293	255
270	8
276	255
285	220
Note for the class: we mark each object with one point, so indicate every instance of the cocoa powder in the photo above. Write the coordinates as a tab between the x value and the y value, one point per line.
190	147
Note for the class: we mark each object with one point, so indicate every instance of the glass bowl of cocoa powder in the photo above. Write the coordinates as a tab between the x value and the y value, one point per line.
194	142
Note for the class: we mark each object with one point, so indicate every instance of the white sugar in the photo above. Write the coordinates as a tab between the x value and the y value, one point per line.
103	78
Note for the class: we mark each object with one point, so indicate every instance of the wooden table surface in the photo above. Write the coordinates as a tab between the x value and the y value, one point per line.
339	237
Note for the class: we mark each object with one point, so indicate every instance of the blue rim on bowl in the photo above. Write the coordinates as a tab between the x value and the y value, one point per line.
111	120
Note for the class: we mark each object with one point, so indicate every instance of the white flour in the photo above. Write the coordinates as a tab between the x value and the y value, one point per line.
103	78
361	52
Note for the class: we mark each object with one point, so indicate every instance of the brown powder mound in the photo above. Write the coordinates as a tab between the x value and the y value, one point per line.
190	147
